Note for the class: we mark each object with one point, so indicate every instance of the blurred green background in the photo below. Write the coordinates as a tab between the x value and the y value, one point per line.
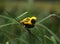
46	30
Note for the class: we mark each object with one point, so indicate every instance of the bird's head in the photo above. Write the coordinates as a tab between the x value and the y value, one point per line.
33	19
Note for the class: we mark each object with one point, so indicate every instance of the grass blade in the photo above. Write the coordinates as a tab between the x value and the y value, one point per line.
5	17
40	39
21	15
7	24
47	37
58	39
22	40
11	19
53	40
46	18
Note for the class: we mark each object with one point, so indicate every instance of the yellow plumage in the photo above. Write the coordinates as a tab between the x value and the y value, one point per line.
28	20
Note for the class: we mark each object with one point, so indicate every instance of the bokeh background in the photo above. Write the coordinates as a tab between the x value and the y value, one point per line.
46	30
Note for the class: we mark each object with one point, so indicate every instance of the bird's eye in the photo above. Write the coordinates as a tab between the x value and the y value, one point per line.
33	21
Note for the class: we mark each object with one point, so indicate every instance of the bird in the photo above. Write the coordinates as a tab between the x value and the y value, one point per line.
29	22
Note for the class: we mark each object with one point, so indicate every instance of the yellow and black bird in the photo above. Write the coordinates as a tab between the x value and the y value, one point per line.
29	22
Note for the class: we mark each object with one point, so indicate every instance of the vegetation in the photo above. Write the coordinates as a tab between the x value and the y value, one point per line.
46	30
